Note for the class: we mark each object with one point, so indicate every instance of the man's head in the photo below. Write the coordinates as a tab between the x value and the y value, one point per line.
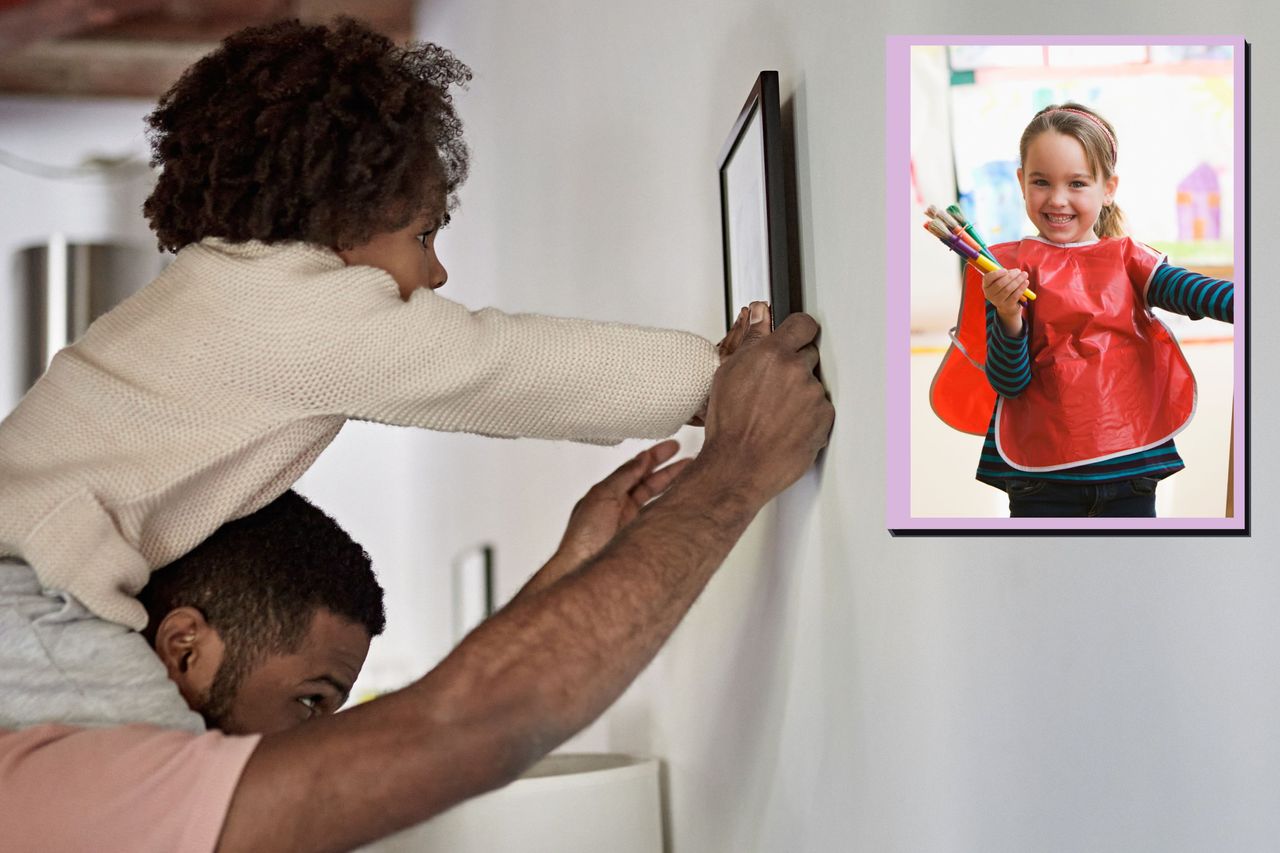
268	621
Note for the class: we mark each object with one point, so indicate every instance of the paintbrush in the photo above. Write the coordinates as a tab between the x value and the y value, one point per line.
964	241
954	227
958	215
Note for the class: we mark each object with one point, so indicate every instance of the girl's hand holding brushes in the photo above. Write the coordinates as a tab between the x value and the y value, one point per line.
1004	289
956	233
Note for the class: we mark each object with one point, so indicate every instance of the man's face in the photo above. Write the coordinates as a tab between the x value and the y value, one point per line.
283	690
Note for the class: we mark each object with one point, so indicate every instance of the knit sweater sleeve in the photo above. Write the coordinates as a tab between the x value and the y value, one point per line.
353	347
434	363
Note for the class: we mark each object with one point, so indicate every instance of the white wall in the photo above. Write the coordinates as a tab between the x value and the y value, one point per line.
836	689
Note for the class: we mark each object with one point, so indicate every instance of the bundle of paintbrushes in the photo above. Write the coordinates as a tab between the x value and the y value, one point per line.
951	227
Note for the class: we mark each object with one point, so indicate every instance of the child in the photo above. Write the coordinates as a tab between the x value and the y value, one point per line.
1091	386
305	173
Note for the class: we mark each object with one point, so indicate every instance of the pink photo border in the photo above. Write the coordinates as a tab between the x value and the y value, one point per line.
898	335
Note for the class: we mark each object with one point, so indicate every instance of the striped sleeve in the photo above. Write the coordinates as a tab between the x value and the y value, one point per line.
1008	363
1185	292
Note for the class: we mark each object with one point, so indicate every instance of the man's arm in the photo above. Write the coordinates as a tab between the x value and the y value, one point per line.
553	660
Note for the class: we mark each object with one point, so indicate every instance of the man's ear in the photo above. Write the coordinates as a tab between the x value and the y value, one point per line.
191	651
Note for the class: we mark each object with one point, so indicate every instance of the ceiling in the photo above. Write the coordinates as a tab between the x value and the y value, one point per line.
137	48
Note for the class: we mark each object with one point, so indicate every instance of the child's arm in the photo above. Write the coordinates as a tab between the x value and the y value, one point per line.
1008	362
1184	292
433	363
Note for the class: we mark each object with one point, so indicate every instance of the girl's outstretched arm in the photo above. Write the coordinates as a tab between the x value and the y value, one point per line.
1196	296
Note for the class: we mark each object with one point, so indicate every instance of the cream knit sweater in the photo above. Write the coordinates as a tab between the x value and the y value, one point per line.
208	393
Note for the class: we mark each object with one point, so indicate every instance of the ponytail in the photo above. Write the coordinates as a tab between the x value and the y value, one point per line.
1110	222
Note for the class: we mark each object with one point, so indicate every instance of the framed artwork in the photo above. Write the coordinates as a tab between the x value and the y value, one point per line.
956	108
754	218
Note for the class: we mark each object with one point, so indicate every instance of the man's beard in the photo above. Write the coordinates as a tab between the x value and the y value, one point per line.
215	706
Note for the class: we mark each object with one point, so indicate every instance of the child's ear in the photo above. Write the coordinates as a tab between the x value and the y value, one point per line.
1111	184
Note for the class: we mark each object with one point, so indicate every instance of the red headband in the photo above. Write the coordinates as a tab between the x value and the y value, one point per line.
1093	118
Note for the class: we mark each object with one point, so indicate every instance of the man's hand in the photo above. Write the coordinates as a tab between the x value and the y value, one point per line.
609	506
768	412
616	500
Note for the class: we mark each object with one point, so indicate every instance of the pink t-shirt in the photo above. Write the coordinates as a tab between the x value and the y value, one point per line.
132	788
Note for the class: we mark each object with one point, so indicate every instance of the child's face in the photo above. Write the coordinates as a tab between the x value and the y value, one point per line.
1063	195
407	255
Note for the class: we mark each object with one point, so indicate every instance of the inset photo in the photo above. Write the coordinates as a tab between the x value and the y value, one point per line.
1067	284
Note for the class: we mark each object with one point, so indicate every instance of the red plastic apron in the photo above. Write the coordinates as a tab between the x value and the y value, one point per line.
960	394
1107	377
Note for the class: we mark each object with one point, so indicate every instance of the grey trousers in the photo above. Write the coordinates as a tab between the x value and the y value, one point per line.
61	664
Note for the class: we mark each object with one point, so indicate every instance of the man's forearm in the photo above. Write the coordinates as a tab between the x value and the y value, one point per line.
519	685
572	647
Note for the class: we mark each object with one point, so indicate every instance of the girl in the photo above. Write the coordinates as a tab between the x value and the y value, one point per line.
305	173
1091	386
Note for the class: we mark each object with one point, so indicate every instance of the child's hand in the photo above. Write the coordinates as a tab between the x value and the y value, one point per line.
727	347
1003	289
729	344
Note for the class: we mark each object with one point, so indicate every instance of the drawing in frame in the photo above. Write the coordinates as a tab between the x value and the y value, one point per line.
753	206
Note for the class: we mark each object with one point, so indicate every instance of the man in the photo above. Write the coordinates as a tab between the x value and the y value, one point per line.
264	625
520	684
259	588
267	622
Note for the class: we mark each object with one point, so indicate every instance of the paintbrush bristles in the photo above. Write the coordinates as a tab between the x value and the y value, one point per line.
937	230
943	217
948	221
958	215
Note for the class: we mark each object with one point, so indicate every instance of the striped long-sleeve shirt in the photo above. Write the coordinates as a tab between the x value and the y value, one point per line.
1009	372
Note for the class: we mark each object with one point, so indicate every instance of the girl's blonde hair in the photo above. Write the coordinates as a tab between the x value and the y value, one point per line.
1098	138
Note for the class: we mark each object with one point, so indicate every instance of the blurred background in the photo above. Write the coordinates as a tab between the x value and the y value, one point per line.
1172	107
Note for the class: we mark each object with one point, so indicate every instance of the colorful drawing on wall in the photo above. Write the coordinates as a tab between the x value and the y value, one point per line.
1200	205
1112	462
994	198
753	207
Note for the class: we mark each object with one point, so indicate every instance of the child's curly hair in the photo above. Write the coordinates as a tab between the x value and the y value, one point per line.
325	134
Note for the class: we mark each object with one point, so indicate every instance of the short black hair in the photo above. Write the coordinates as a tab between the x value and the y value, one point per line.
292	131
260	580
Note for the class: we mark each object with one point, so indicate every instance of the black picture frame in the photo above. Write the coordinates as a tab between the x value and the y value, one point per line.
754	206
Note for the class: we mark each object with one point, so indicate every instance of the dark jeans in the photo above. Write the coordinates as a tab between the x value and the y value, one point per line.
1050	499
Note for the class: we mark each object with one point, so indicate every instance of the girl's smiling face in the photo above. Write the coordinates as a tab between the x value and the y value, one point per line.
1063	194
